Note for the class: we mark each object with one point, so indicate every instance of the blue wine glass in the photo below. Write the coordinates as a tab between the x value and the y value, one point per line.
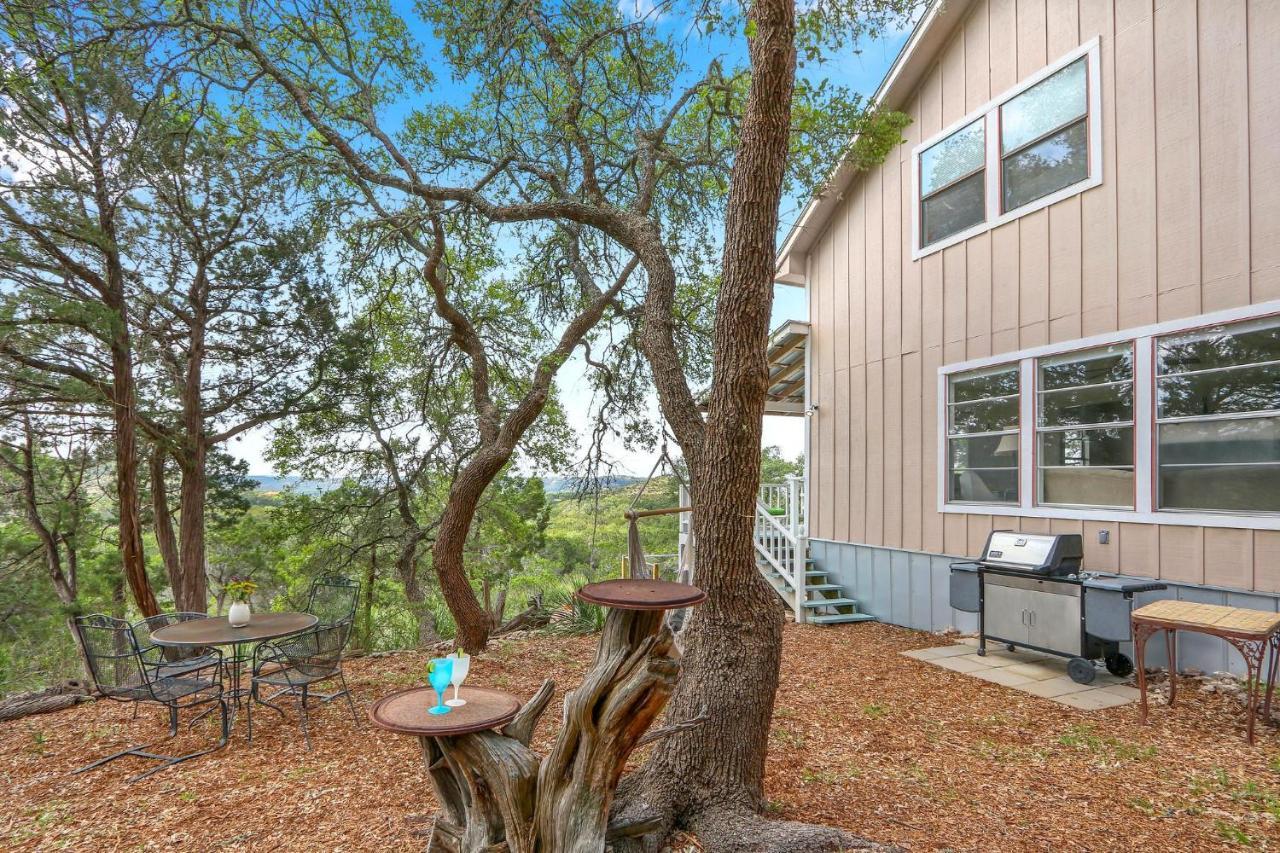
440	674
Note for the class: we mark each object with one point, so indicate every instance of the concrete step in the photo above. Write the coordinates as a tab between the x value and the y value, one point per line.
815	603
839	618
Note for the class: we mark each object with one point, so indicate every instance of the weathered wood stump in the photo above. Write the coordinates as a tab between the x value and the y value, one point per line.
496	794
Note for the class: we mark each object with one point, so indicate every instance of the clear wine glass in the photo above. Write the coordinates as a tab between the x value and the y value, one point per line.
461	666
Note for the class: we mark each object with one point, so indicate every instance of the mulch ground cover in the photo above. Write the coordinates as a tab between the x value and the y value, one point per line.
890	748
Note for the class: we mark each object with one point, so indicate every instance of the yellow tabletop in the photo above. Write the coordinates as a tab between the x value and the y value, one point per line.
1194	615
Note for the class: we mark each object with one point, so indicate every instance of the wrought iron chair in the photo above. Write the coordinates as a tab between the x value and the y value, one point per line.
333	599
170	660
293	664
122	674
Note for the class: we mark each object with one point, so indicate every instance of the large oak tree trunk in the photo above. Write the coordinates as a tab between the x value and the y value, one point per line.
711	779
162	518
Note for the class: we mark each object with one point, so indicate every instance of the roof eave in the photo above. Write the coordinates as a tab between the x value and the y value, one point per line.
931	32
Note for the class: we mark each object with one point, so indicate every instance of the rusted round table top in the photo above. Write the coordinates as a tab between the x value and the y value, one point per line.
217	631
642	594
405	712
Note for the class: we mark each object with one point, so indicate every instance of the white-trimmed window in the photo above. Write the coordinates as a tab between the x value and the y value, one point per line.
1034	145
1173	423
1084	428
1218	418
982	436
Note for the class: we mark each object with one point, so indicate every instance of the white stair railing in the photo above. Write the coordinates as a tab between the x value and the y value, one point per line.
784	551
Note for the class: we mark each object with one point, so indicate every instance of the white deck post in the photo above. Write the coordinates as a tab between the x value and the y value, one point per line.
800	545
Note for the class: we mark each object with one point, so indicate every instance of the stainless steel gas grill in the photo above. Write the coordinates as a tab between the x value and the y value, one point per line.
1029	593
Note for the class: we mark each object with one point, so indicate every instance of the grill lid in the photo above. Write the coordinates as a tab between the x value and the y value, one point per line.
1035	553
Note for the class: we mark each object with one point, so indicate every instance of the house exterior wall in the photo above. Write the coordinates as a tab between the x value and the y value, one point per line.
1186	221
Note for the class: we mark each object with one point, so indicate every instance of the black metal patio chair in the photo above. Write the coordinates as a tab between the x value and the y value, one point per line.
121	674
333	599
169	660
294	664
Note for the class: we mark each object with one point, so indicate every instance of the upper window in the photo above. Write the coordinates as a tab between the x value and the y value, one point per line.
1084	426
982	436
1044	149
952	183
1218	418
1044	139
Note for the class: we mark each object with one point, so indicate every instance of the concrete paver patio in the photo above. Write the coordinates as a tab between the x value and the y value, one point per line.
1031	672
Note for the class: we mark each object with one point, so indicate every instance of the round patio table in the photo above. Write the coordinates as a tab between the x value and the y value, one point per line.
217	631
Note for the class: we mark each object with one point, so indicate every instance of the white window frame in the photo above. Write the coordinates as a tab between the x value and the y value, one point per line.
1015	430
1144	415
989	114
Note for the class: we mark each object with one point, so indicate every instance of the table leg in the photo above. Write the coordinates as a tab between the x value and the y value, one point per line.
1141	633
1273	669
1171	646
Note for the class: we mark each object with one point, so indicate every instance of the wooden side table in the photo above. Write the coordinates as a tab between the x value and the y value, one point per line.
1251	632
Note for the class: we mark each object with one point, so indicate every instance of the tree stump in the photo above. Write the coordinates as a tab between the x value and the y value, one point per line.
496	794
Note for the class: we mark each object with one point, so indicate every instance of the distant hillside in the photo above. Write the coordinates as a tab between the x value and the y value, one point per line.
560	485
271	484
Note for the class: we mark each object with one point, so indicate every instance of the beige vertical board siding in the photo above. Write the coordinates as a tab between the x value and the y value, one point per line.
954	303
978	296
1264	148
1004	288
914	390
951	67
858	434
860	324
845	290
1062	27
1177	160
1182	554
1140	549
873	265
844	430
1228	557
892	477
1033	279
928	483
826	417
911	283
1135	175
1034	525
1266	560
1099	557
1033	42
1064	270
1099	284
1002	33
977	60
873	455
892	231
1190	120
1224	153
979	527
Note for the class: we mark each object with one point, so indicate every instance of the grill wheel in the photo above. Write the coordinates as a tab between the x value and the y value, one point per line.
1081	671
1119	665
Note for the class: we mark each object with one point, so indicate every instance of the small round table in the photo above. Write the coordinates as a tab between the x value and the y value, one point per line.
217	631
448	741
642	594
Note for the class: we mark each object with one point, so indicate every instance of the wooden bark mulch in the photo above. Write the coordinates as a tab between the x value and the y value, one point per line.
885	746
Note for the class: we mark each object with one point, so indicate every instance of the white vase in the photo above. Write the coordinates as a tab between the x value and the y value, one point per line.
238	615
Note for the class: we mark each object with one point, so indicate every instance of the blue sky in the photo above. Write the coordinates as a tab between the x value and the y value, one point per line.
861	71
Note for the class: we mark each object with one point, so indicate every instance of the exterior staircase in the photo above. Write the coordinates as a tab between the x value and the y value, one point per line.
782	555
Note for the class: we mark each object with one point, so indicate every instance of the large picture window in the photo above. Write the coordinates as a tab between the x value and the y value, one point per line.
1032	146
982	436
1218	416
1084	427
1177	422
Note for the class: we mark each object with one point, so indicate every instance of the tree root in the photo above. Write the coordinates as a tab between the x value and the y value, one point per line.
733	832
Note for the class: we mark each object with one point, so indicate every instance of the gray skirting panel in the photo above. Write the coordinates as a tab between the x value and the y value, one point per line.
912	589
